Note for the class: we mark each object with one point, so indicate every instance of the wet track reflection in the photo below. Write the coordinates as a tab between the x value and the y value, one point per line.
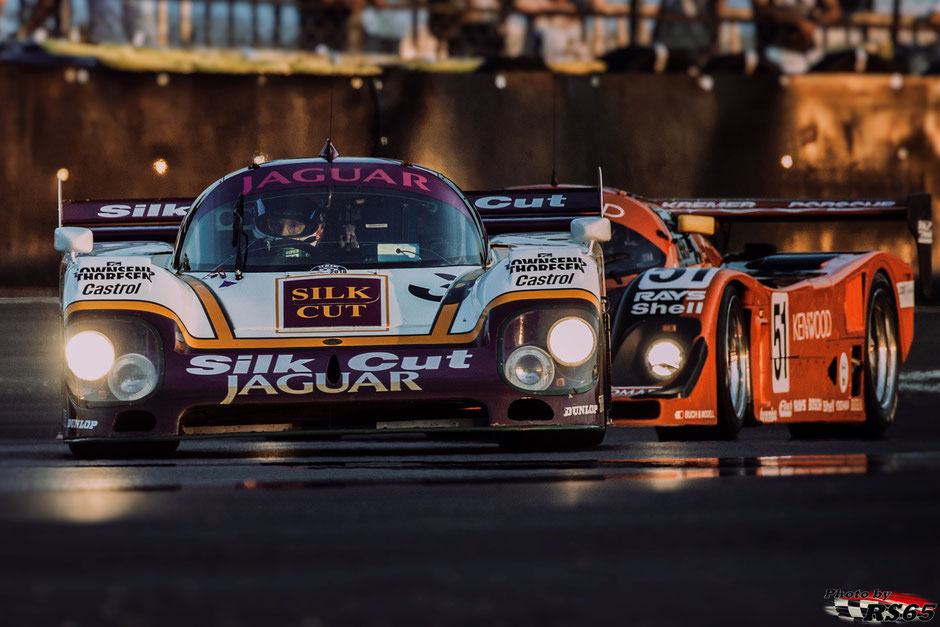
404	530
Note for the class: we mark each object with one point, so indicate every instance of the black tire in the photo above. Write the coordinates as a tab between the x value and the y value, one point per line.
562	440
124	450
882	358
732	365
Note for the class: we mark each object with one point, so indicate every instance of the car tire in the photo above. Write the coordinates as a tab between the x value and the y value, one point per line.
124	450
882	358
732	365
567	440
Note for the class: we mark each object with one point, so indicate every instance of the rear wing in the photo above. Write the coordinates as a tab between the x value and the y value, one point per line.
916	210
535	209
118	220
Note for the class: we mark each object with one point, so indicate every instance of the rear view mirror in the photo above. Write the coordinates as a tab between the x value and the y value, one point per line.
584	230
697	224
74	239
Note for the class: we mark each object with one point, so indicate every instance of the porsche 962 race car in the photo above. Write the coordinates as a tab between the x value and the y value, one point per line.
813	340
328	296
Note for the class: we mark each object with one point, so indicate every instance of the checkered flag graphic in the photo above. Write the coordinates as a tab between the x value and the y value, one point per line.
854	610
849	609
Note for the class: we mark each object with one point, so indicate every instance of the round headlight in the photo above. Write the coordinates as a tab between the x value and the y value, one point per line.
571	341
89	354
530	368
664	358
132	378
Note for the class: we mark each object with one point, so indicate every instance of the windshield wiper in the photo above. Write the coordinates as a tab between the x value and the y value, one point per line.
238	233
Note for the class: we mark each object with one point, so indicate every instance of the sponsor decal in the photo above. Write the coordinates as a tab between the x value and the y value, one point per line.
546	262
924	232
433	294
780	345
878	606
152	210
394	177
334	301
839	204
815	404
785	409
812	325
676	278
905	294
767	415
529	202
631	391
694	414
799	406
330	268
708	204
579	410
667	301
73	423
857	404
113	278
285	374
843	372
525	280
842	406
828	406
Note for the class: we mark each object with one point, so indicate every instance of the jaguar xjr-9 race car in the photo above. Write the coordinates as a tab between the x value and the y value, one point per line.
328	296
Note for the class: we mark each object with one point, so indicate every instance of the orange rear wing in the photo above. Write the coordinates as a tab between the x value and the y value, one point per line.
915	210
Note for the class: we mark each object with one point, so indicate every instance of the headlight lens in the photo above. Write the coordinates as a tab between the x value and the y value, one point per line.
133	377
664	358
112	360
571	341
89	355
530	368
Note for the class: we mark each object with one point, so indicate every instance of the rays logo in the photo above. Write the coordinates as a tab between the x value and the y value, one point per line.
878	606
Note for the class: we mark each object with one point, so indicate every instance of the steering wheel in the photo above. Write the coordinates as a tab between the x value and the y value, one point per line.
306	248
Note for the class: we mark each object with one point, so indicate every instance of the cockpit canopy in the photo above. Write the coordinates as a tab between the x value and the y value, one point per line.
308	223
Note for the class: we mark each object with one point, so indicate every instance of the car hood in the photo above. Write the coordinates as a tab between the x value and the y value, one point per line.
357	302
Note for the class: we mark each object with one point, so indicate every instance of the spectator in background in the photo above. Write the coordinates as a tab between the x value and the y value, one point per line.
788	32
689	29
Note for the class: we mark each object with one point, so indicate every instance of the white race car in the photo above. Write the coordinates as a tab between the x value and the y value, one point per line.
325	297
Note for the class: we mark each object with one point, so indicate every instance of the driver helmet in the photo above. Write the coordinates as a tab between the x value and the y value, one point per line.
291	222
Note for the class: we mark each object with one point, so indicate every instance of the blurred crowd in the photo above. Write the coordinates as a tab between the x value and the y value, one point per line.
788	36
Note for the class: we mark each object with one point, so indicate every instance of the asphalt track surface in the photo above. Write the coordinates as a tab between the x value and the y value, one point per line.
404	531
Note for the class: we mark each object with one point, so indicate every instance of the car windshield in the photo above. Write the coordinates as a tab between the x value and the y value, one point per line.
628	252
350	227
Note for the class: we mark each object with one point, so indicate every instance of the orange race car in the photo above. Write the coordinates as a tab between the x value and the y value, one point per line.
703	343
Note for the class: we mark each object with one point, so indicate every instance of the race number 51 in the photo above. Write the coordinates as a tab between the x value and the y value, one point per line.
780	347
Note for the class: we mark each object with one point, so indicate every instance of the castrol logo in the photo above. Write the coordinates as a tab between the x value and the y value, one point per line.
812	325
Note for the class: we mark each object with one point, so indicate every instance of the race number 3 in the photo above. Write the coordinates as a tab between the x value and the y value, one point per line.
780	348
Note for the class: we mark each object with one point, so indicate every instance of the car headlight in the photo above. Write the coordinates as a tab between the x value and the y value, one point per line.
530	368
664	358
133	377
89	355
112	360
571	341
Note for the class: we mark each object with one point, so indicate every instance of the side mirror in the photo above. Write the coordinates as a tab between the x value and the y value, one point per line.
697	224
585	230
74	239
